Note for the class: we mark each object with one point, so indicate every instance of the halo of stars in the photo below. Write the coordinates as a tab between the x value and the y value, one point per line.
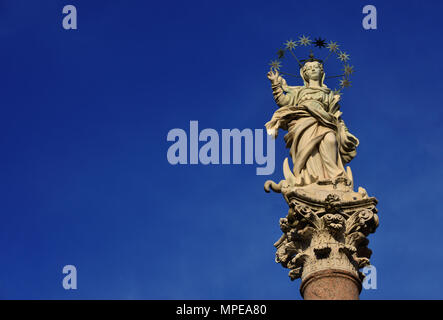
332	49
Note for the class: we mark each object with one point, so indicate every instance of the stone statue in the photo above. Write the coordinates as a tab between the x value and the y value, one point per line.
325	231
318	140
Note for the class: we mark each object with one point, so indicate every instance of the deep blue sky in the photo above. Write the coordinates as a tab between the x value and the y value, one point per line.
85	115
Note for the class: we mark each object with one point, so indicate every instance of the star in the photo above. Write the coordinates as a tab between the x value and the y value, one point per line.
305	41
348	69
336	92
290	44
320	43
343	56
281	53
275	64
332	46
345	83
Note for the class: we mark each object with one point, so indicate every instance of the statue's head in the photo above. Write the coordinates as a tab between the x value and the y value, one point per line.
312	70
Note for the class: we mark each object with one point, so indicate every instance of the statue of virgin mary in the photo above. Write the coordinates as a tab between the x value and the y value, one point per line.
318	139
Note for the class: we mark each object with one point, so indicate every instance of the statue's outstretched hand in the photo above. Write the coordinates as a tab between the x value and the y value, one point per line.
274	77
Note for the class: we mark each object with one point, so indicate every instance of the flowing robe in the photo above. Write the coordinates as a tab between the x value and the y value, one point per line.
317	137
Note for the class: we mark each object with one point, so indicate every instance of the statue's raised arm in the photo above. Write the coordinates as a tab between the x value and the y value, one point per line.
277	83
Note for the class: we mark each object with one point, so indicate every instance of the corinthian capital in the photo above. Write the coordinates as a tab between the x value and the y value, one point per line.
328	234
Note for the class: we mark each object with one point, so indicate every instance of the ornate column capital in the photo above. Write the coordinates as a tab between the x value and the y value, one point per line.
326	228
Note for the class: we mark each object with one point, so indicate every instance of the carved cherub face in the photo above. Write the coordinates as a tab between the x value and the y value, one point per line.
313	70
334	222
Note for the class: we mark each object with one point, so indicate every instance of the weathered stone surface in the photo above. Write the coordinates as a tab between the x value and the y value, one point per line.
325	234
331	285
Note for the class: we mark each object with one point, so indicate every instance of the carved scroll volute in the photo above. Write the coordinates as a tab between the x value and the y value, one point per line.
364	221
358	227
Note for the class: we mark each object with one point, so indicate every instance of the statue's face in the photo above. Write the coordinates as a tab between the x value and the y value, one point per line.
313	70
